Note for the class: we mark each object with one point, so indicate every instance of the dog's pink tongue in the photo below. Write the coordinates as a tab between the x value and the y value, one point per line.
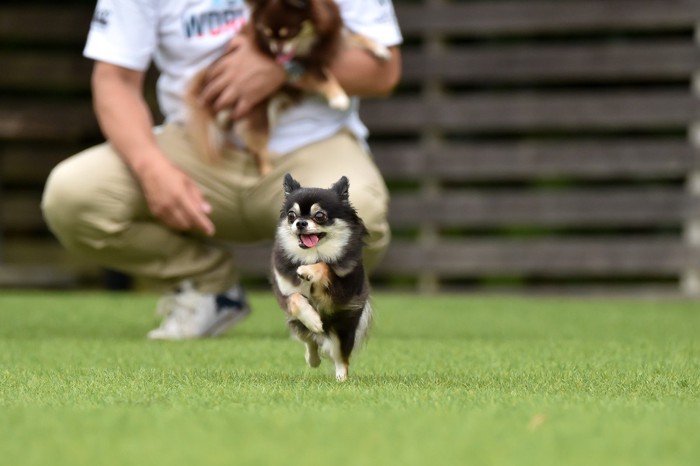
309	240
284	58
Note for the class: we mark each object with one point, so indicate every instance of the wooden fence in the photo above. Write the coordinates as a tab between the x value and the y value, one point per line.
532	145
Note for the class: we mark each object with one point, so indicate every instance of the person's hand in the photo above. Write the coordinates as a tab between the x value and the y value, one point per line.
241	78
174	198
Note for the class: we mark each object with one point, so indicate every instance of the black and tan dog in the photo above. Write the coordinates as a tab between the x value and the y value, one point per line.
317	272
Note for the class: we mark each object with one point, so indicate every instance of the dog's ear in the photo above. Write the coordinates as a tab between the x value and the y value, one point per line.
298	4
256	4
342	187
290	184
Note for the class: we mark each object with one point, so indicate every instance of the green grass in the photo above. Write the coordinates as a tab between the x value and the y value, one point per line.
443	380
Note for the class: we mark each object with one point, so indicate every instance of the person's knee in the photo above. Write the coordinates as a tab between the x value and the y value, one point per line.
372	206
80	207
62	197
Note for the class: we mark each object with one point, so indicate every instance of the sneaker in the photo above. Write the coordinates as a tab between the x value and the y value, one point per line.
188	313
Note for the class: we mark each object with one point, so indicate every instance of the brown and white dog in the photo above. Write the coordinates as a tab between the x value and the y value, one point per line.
317	272
304	36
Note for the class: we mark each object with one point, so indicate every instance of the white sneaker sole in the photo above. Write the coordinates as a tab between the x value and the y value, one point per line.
225	322
218	327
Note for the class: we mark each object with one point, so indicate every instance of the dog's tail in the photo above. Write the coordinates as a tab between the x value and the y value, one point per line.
206	129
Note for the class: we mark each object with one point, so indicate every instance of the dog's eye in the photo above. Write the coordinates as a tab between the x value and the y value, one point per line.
291	216
320	217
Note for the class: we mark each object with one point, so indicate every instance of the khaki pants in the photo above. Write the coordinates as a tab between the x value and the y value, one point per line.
95	207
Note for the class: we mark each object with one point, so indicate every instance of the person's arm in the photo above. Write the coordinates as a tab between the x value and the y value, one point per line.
244	76
361	74
126	122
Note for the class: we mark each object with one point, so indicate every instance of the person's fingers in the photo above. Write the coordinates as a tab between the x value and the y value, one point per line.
213	88
196	209
175	218
185	212
241	108
227	98
199	221
186	218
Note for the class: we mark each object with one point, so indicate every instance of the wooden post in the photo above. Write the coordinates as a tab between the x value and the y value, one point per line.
690	281
2	230
431	141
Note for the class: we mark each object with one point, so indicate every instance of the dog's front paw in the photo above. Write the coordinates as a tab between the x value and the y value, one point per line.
306	273
314	273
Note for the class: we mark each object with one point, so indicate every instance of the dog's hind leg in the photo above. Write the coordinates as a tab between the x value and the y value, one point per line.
205	128
332	347
312	357
254	132
310	339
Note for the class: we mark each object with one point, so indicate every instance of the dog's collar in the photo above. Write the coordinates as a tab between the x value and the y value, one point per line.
294	70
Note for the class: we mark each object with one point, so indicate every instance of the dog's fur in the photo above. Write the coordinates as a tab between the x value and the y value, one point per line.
317	272
309	32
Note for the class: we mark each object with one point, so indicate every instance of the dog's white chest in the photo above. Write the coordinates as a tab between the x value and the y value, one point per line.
287	287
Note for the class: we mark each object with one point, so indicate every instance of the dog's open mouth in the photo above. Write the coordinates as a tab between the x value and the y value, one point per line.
309	241
284	58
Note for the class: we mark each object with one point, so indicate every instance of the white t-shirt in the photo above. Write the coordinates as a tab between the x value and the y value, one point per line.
183	36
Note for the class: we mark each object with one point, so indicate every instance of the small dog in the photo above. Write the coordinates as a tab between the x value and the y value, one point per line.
303	36
317	272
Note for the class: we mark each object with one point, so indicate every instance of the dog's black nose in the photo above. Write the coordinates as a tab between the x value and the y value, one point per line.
301	224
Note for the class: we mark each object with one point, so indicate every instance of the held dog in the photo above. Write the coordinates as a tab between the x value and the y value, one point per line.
303	36
317	272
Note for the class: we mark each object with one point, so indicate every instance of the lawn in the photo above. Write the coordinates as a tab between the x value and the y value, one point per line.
444	380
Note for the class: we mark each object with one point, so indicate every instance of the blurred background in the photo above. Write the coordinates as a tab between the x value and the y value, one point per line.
533	146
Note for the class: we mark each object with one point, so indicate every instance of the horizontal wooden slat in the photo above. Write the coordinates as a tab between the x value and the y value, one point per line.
614	256
70	23
31	163
36	276
640	158
42	262
550	257
611	257
484	18
71	120
55	24
520	111
573	208
21	212
44	249
557	208
640	61
44	71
